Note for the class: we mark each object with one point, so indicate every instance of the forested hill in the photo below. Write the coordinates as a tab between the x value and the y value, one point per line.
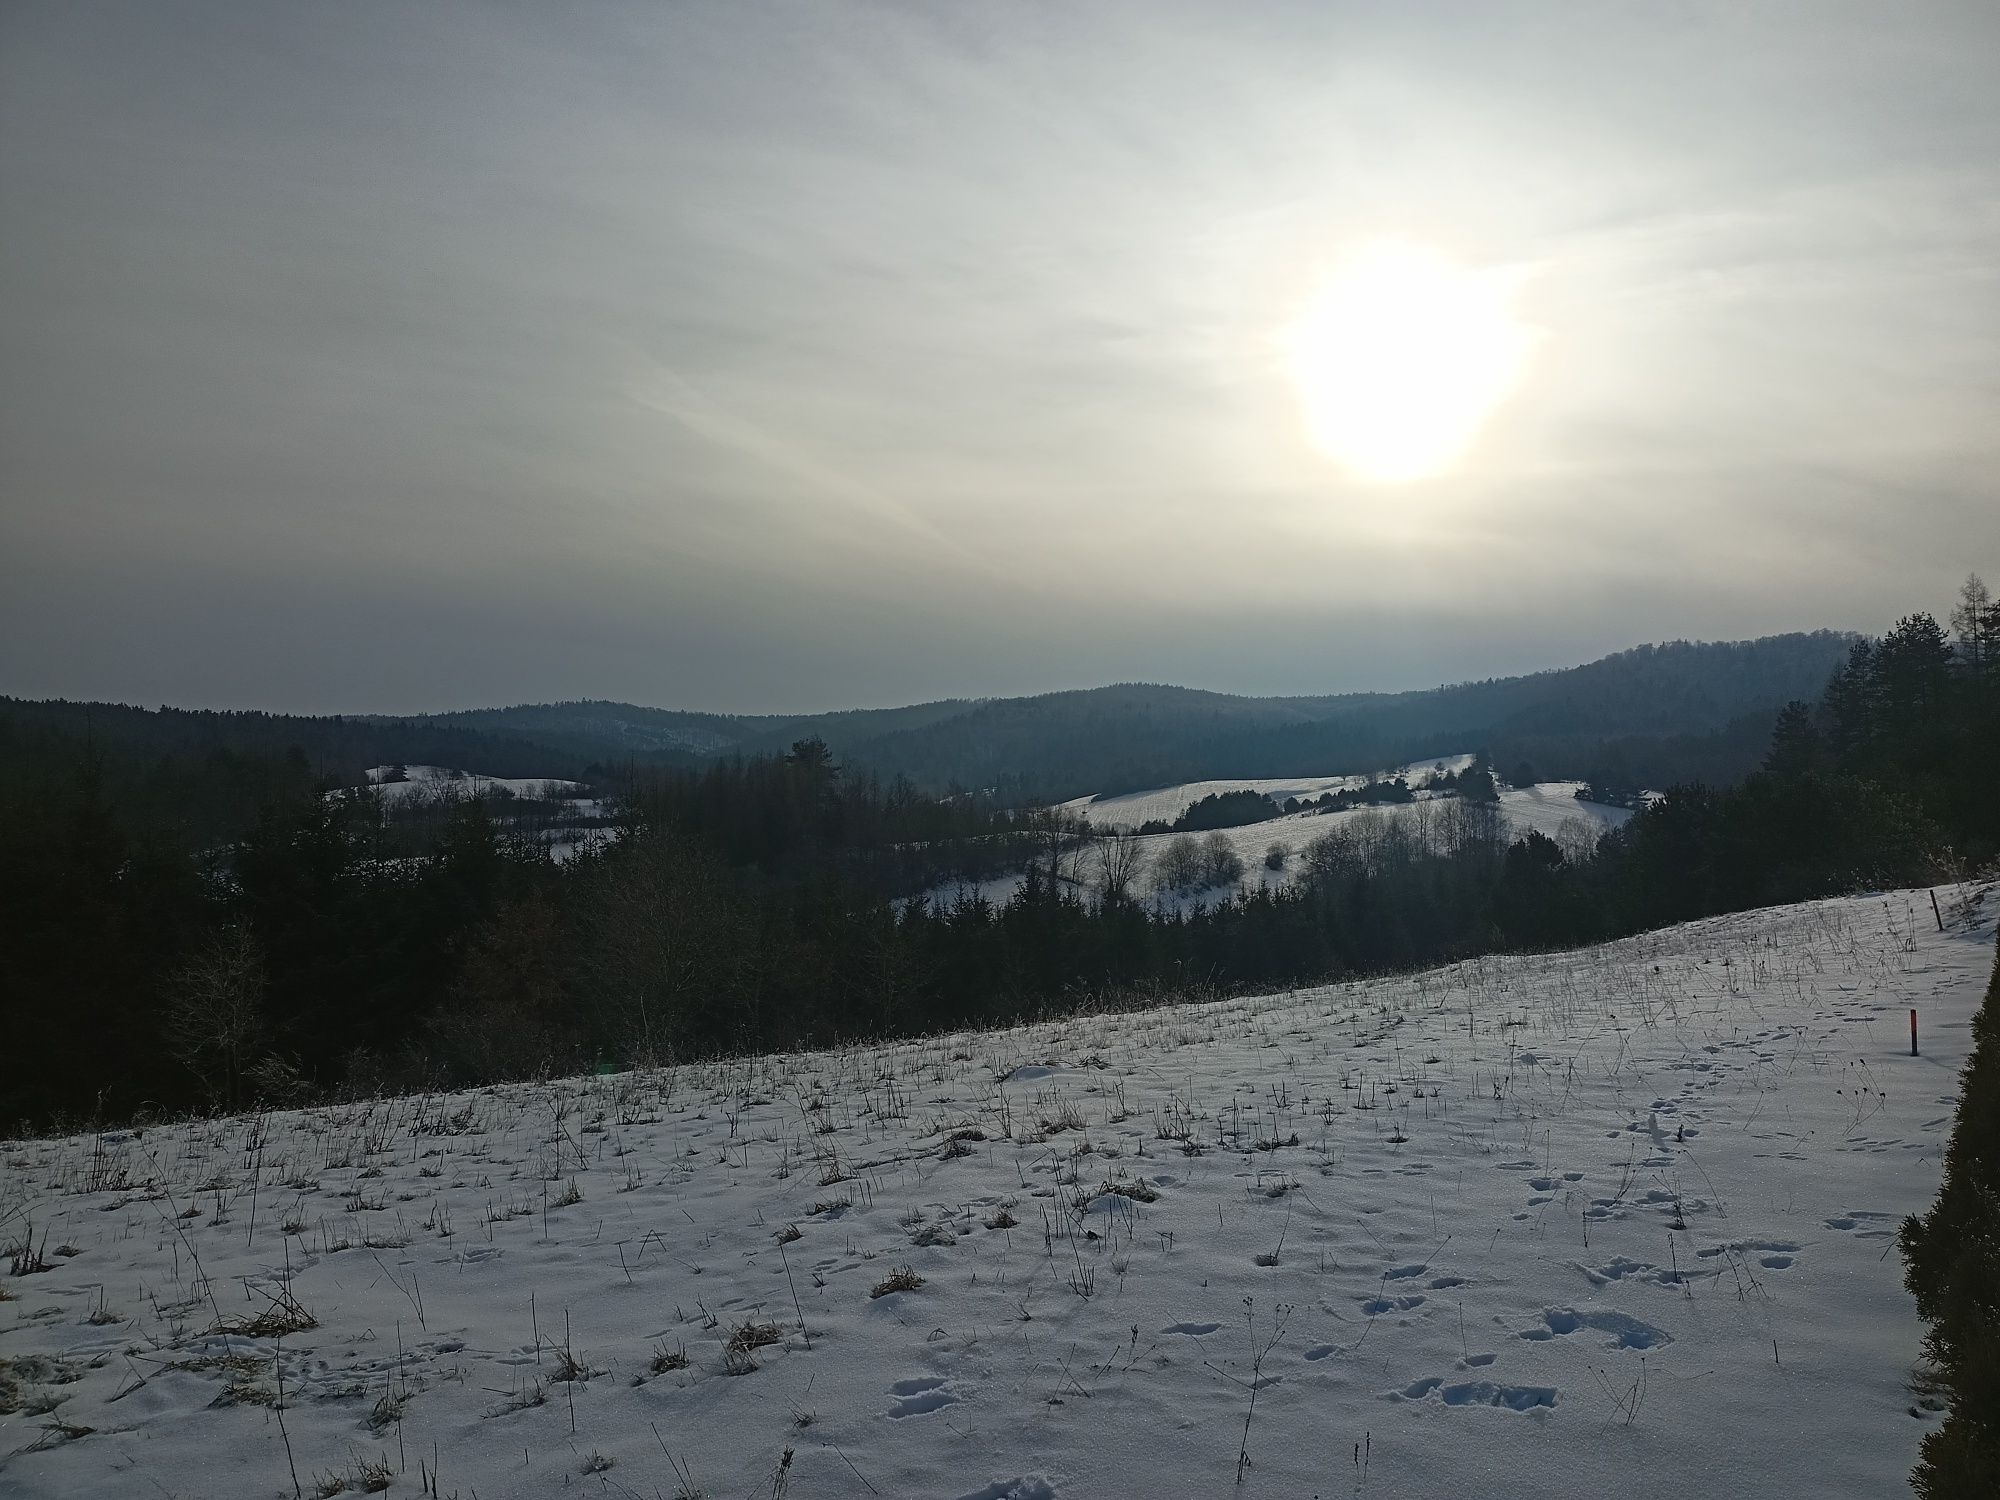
337	747
1653	715
598	730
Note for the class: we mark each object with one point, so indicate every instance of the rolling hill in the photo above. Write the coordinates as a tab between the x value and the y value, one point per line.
1654	714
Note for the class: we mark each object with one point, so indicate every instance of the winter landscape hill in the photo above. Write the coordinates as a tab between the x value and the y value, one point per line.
1610	1221
1692	708
1649	716
1009	752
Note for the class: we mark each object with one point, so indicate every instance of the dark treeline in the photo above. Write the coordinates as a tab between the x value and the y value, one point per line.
1238	809
133	741
1951	1264
1234	809
286	943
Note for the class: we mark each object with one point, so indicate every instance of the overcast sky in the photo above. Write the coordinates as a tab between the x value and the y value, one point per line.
747	357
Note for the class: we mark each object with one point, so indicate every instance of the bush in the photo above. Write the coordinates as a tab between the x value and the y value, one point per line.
1952	1267
1224	864
1188	865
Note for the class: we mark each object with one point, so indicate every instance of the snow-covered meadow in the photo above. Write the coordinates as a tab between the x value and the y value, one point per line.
416	783
1617	1221
1166	803
1551	808
566	821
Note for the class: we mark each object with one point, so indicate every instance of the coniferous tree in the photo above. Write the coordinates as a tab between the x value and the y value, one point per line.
1796	746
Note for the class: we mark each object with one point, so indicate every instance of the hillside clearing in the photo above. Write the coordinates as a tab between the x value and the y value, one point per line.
1616	1220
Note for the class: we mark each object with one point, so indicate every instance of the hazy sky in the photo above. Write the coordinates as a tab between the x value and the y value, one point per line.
797	356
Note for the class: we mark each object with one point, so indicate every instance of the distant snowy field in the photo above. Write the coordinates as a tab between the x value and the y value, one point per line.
1167	803
1611	1222
574	829
431	781
1551	808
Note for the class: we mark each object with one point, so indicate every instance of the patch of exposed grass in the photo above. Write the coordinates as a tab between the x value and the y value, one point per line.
901	1279
746	1337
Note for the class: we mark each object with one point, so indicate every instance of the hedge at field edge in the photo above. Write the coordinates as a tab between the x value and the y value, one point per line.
1952	1267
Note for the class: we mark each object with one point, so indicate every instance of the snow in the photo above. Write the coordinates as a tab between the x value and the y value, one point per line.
1547	806
433	781
1551	808
579	827
1616	1221
1130	809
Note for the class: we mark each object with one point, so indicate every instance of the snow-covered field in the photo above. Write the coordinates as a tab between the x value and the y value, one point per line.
578	826
1130	809
433	781
1612	1222
1551	808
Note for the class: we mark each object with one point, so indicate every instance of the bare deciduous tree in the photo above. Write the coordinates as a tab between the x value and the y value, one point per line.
1975	621
1117	858
215	1013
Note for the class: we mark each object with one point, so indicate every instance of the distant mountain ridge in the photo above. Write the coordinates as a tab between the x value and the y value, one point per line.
1655	713
1652	715
598	727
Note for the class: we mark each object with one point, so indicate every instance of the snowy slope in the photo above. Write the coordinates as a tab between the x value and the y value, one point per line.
1610	1222
433	781
1548	805
1130	809
1550	808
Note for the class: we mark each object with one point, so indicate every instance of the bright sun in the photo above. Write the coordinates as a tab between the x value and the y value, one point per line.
1402	357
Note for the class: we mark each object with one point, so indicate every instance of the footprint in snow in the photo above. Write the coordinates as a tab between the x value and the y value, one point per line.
1195	1330
1478	1393
1743	1247
916	1397
1626	1332
1020	1487
1622	1268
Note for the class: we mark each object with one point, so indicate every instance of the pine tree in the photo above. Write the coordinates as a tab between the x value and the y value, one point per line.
1912	669
1851	703
1795	741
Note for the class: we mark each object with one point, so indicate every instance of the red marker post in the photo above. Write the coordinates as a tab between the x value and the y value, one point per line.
1913	1033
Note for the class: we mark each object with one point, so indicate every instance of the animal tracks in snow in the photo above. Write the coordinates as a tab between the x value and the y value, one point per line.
1862	1224
921	1396
1020	1487
1058	1354
1478	1393
1626	1332
1623	1268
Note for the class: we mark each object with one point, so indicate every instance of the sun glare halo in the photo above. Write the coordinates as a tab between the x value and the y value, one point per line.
1402	357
